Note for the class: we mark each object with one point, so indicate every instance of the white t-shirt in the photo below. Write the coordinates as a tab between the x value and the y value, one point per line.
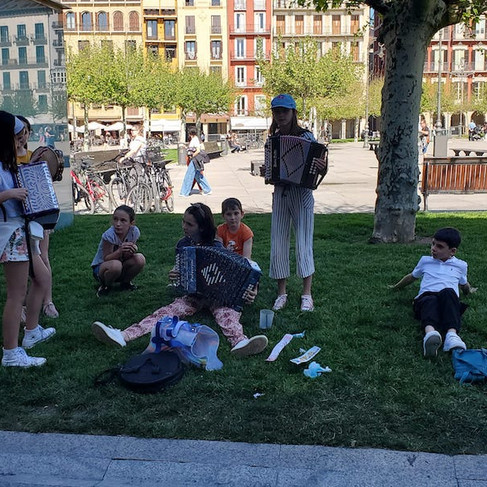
437	275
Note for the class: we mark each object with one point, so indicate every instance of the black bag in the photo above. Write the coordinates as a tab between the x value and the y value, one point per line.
147	373
198	164
202	156
470	365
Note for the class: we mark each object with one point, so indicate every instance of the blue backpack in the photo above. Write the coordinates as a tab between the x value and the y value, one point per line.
470	365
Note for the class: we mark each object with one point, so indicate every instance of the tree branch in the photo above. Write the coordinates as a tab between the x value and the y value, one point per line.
380	6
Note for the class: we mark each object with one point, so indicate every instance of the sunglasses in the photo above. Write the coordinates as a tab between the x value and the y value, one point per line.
280	110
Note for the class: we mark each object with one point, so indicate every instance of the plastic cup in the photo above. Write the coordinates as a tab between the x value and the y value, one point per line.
266	318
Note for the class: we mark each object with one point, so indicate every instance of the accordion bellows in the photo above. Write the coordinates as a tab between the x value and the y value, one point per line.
41	204
216	274
290	160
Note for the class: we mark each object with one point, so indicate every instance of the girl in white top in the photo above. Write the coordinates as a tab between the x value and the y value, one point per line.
15	255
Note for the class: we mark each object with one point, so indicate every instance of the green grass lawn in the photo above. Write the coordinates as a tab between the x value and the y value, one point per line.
381	391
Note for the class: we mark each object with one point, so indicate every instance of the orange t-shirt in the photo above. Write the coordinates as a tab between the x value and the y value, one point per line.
240	237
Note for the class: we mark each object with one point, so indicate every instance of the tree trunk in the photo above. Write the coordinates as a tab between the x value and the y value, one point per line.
406	38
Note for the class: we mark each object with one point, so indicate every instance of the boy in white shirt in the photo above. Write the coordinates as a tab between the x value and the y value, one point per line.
437	304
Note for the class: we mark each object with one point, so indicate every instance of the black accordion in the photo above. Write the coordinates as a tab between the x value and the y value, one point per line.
291	160
216	274
41	204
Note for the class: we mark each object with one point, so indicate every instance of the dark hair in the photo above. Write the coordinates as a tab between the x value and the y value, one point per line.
8	151
204	218
231	204
295	128
127	209
26	122
192	131
451	236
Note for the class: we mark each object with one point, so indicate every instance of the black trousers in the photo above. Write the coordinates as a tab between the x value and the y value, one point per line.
441	310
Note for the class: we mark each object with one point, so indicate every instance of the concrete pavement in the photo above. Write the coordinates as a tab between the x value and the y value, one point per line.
83	461
86	461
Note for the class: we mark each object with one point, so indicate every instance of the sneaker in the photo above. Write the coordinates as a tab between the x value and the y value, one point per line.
128	286
250	346
307	303
50	310
19	358
431	343
208	192
107	334
102	291
37	335
452	340
280	302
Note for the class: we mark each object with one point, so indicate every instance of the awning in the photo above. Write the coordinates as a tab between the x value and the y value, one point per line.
164	125
249	123
96	126
117	126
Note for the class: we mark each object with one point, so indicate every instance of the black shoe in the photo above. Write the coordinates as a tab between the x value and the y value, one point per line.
127	286
102	291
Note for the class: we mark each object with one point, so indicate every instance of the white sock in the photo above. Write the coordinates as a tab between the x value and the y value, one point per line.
9	352
29	332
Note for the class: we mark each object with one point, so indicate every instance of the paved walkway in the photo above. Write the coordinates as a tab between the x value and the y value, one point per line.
82	461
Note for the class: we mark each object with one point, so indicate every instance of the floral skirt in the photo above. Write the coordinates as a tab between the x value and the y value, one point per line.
16	248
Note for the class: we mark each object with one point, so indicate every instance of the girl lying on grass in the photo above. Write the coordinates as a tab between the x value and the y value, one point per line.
199	229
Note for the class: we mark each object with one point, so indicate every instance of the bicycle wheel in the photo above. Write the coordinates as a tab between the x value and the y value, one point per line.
140	198
83	195
100	192
164	188
119	190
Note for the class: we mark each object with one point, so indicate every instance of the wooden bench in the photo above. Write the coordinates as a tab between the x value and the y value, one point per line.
468	151
460	175
213	148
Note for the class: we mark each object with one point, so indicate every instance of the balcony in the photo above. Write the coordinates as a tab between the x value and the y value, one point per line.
57	25
38	40
293	32
249	29
41	87
190	56
58	62
216	29
21	40
240	5
5	41
58	43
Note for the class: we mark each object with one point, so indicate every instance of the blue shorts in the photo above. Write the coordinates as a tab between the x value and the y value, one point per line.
96	272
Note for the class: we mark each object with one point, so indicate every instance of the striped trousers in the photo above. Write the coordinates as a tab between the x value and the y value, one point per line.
292	204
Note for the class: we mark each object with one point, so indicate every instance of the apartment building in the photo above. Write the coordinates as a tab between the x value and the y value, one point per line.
32	69
114	23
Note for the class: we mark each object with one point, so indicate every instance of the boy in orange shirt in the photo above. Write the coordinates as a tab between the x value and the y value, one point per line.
235	235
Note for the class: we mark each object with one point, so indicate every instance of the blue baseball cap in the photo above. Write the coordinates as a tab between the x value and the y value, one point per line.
284	101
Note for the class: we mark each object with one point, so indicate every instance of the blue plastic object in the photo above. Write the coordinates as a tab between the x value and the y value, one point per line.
314	370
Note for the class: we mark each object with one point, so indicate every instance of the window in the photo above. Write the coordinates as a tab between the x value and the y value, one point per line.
240	76
42	104
151	29
58	77
23	80
216	49
240	5
21	31
458	59
260	21
239	22
336	27
130	45
22	55
260	104
83	45
354	24
107	44
479	60
216	24
118	21
4	33
215	3
190	28
169	29
190	49
354	51
170	53
242	106
5	55
153	50
280	24
317	24
6	81
259	79
259	4
70	21
39	31
189	3
41	79
86	23
134	24
216	70
102	22
40	54
299	24
240	48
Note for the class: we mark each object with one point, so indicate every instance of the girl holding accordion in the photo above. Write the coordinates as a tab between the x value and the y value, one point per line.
291	204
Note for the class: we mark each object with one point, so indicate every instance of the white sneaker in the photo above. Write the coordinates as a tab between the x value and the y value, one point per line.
280	302
431	343
250	346
307	303
37	335
452	340
107	334
19	358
